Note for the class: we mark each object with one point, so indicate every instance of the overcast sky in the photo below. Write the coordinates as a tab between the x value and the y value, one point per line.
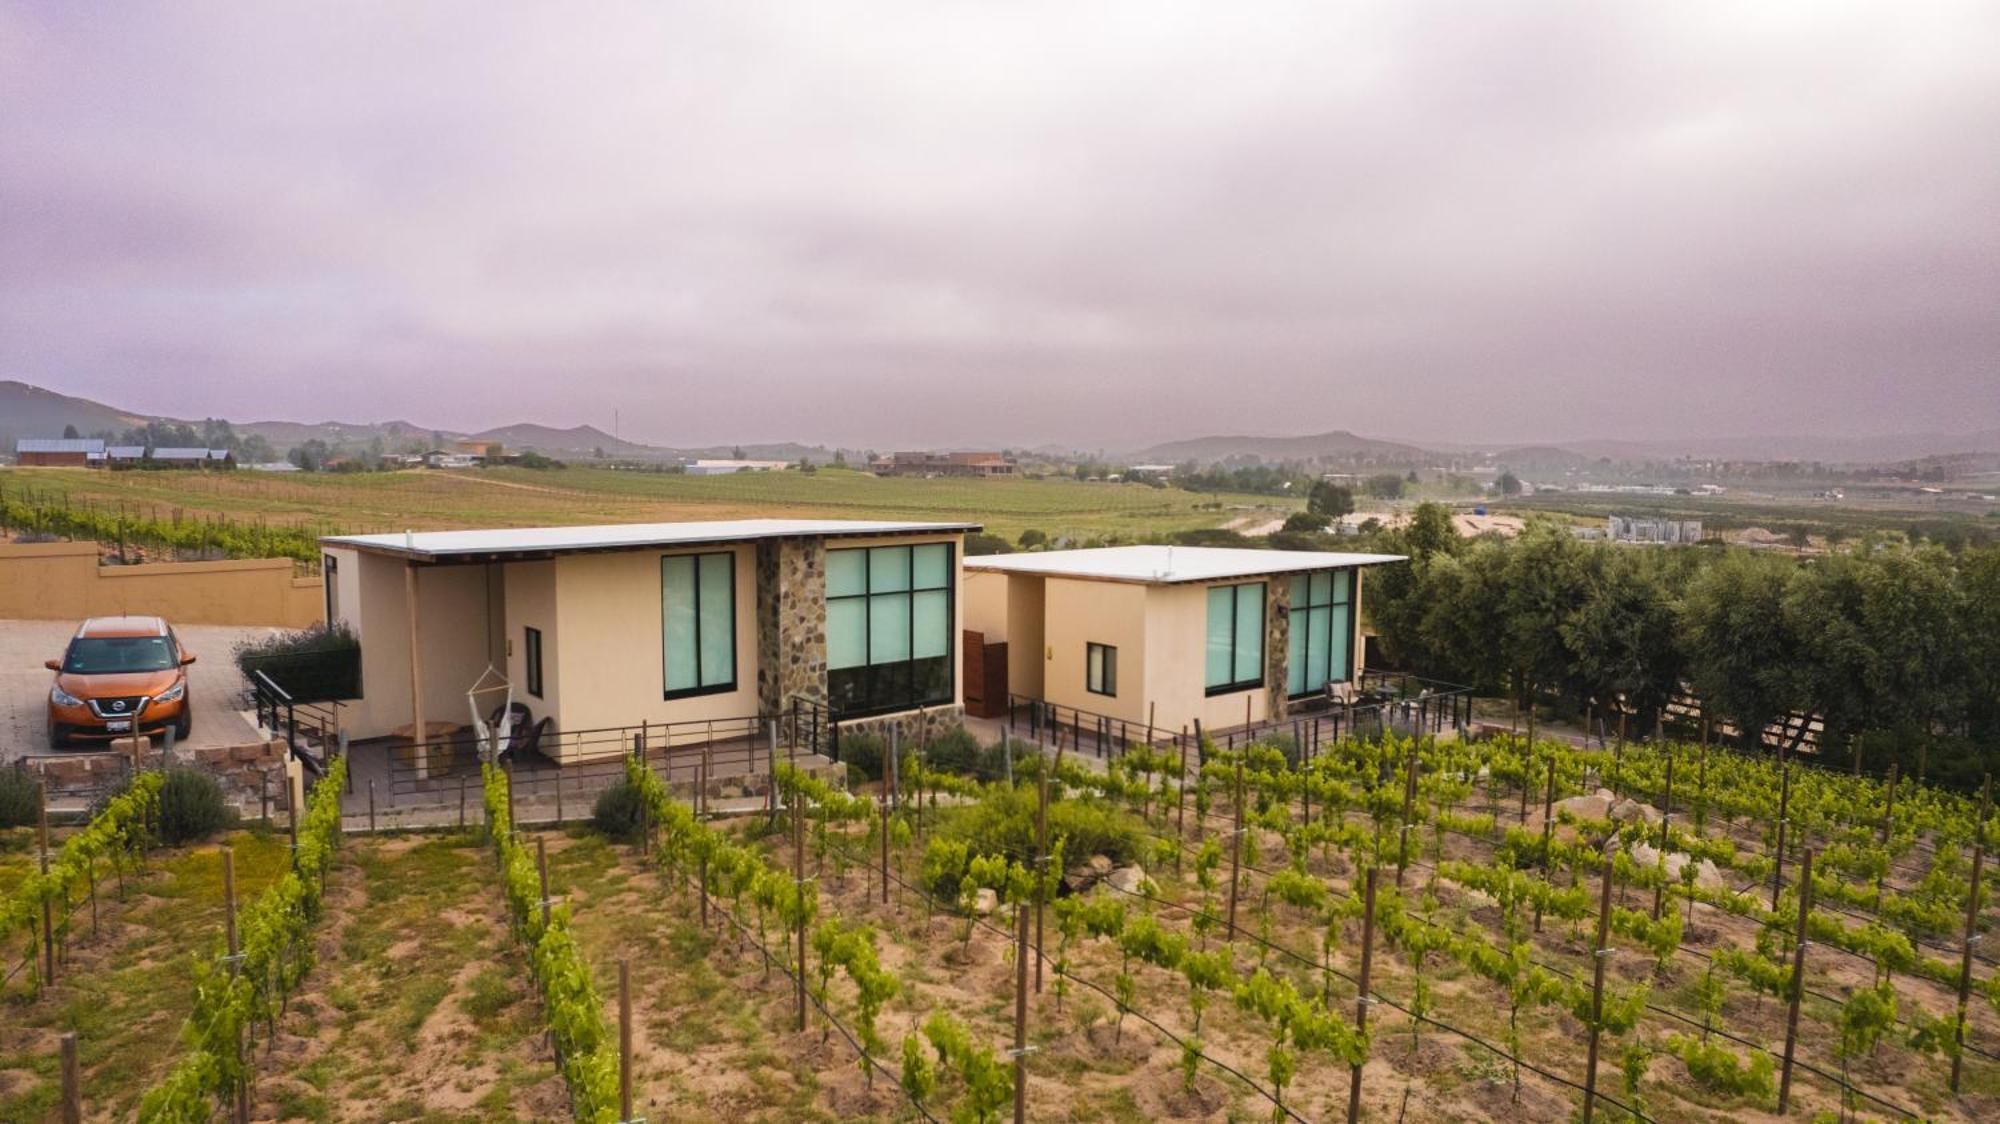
934	223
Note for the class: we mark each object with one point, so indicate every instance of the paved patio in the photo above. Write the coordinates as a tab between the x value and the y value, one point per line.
24	683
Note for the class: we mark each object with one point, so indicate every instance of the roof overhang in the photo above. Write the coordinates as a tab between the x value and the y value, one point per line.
513	544
1172	565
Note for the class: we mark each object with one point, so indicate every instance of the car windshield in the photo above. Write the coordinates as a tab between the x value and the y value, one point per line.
112	655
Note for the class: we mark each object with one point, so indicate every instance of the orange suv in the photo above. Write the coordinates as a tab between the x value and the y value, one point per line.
119	676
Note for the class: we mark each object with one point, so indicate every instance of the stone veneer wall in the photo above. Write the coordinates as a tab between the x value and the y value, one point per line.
911	726
791	621
1278	646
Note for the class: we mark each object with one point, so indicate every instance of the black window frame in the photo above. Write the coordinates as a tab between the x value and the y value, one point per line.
880	680
1108	687
531	658
329	574
1292	617
735	656
1263	633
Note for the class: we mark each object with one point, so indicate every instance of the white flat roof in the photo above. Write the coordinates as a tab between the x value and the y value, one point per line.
1169	564
423	545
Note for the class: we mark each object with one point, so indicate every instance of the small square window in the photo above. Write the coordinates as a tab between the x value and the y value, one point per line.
1101	669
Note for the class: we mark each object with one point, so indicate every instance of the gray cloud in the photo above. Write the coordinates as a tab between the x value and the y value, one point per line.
900	223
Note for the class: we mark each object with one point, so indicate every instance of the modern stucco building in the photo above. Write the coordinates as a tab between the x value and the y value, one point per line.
610	626
1172	635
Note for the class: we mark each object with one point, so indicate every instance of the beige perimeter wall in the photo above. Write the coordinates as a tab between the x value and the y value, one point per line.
62	581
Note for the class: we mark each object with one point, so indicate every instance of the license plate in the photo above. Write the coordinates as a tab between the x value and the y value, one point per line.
118	727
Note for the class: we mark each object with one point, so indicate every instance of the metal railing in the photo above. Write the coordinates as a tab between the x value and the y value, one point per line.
1382	703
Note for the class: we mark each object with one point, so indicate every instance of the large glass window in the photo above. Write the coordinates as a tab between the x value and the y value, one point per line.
1321	637
888	628
1235	637
698	619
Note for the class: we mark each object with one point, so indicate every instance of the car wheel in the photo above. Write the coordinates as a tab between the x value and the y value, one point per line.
185	726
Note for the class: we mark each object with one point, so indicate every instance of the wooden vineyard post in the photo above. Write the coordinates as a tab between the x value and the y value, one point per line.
1798	984
799	873
1548	832
1527	783
1599	953
1971	920
510	798
1021	1012
1784	802
884	804
1180	801
461	810
48	907
1618	757
1042	863
1701	784
624	1039
1889	807
229	934
1236	852
292	814
1666	817
1409	803
72	1082
1856	745
1361	1000
371	805
542	873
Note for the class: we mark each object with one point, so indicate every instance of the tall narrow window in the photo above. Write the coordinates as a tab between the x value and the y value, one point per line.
1100	669
889	628
329	575
1235	656
531	656
1320	646
698	623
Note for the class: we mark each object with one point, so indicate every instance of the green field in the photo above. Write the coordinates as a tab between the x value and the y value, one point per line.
428	499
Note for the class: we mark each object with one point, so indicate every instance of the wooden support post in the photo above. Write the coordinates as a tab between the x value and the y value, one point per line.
1599	953
1666	817
72	1082
1972	889
624	1040
461	808
1180	801
1362	998
1409	806
48	907
1548	831
242	1113
1042	861
1889	806
559	799
1798	983
1784	806
1236	852
1701	784
542	872
371	805
1020	1012
799	872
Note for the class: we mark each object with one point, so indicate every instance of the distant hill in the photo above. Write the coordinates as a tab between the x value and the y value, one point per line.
1886	449
1339	446
286	434
31	411
580	440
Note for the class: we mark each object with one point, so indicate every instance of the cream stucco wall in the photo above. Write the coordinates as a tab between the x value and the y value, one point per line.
456	639
531	602
610	638
1079	613
63	581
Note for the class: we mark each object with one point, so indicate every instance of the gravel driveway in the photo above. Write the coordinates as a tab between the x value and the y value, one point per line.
24	683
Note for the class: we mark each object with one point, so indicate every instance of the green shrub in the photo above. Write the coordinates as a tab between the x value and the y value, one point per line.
19	803
191	806
957	751
619	812
863	754
1004	821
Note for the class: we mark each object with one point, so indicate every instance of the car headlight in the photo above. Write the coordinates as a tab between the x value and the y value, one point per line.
173	693
61	697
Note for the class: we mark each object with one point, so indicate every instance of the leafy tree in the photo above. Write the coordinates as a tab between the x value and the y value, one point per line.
1742	652
986	544
1032	538
70	433
1622	636
1306	522
1508	483
1331	500
1386	486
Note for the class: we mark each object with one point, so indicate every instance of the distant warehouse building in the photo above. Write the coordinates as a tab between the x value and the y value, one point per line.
1621	528
728	467
59	452
942	464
